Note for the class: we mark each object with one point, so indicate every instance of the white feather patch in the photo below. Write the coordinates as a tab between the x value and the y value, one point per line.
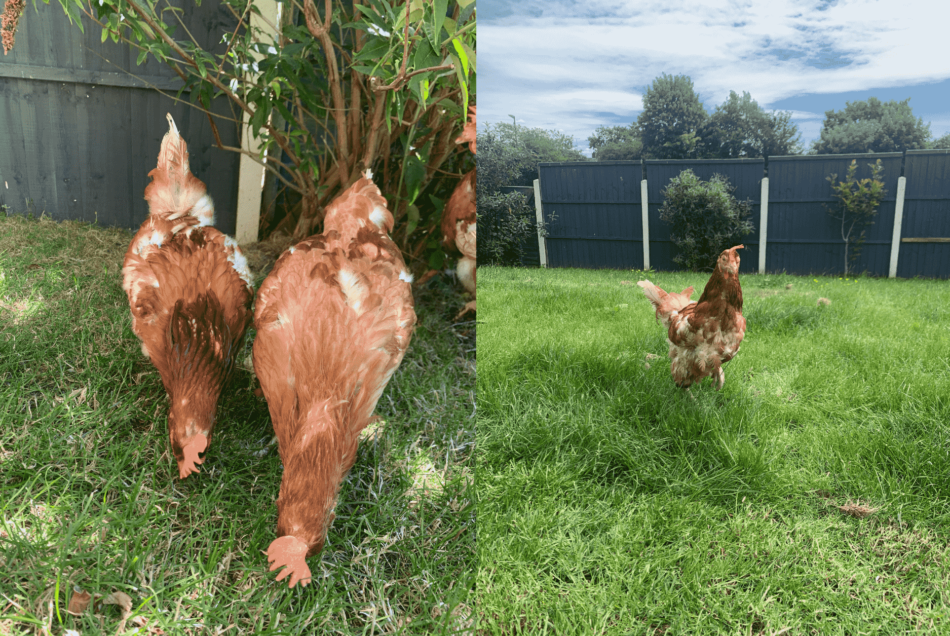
155	239
204	211
353	289
378	216
405	276
238	261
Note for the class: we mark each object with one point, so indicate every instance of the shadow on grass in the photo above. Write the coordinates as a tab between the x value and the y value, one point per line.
91	496
609	421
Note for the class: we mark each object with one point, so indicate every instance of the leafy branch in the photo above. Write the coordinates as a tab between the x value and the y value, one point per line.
328	90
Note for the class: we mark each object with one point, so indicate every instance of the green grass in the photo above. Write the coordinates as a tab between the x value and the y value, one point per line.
610	502
90	497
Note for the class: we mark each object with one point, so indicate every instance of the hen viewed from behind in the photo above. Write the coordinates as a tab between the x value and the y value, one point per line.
458	219
190	293
333	320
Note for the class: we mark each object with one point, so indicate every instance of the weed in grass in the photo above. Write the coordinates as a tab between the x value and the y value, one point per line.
90	498
812	495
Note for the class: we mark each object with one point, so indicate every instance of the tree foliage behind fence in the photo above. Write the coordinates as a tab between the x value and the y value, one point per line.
597	214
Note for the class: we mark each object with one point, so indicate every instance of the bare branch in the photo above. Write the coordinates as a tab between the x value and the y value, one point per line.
322	33
401	79
266	165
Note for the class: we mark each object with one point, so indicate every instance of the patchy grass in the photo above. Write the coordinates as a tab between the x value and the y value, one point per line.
810	496
90	497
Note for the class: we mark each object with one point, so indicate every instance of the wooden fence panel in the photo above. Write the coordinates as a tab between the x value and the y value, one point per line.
596	212
82	134
803	237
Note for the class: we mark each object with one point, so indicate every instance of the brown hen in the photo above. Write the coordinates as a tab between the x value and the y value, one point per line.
333	320
458	219
190	294
705	334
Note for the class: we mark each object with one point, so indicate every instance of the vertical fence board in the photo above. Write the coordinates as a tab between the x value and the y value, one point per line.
926	215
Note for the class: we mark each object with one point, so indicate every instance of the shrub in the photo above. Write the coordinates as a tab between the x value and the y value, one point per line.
505	224
859	200
505	220
704	217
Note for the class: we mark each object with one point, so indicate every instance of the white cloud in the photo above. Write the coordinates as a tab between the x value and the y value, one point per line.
553	67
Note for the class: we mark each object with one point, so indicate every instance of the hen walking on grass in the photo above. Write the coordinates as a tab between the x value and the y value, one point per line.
702	335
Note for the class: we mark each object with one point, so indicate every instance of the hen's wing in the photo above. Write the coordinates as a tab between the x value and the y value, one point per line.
459	212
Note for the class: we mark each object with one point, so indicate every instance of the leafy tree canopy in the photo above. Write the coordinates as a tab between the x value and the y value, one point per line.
532	146
739	127
671	119
326	92
616	143
872	126
942	142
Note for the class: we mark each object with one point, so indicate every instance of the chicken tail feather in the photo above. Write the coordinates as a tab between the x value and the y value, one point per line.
652	292
665	303
175	193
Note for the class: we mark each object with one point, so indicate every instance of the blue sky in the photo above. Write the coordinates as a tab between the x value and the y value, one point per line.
572	66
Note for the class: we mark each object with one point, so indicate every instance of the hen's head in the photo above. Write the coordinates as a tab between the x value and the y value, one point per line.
728	262
468	133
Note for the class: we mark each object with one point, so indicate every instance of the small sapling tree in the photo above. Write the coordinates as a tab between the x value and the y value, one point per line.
857	207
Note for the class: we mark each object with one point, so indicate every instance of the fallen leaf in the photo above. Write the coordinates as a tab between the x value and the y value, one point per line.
121	599
78	602
856	510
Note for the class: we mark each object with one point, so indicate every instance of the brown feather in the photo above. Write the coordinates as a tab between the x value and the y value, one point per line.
459	219
333	320
190	298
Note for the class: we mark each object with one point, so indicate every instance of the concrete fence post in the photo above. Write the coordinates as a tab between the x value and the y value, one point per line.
763	222
251	173
542	248
645	216
898	220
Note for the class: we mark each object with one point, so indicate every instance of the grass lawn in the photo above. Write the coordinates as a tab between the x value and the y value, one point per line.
810	496
90	495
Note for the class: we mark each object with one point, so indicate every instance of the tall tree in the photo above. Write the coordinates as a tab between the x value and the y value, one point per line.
671	119
739	127
872	126
616	143
942	142
532	146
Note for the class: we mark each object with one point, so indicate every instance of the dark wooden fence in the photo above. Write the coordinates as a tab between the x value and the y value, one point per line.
80	132
594	218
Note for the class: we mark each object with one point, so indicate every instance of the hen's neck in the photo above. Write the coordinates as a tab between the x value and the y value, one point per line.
723	285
